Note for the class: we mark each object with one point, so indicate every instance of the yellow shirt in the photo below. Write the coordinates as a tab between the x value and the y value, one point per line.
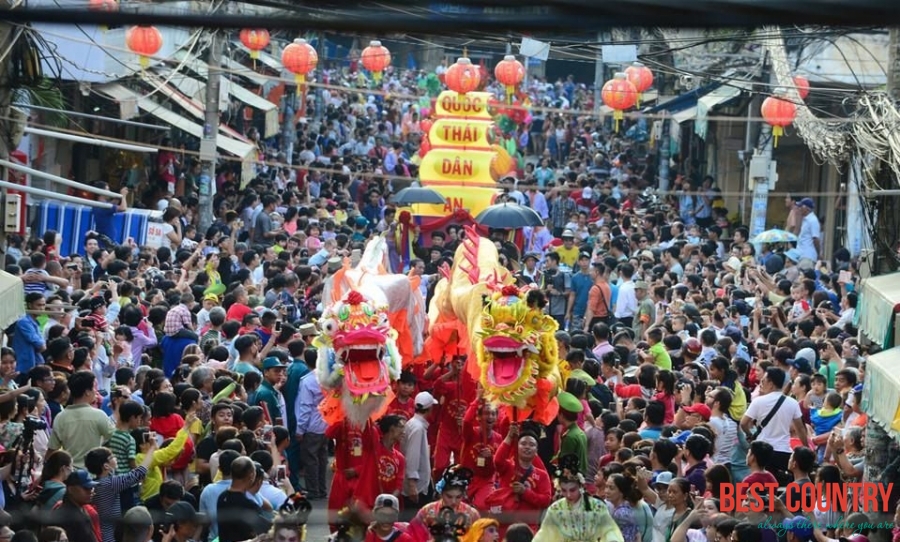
161	458
568	256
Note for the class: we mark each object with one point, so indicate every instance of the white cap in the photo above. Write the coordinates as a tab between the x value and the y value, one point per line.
425	400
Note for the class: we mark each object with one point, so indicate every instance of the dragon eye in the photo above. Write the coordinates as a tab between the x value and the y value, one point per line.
344	312
329	326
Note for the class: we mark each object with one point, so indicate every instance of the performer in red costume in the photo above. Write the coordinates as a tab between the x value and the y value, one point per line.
480	442
455	391
383	468
524	488
348	462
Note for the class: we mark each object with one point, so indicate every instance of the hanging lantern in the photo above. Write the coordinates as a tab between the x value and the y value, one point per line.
255	39
299	58
376	58
778	113
425	125
619	94
802	85
103	5
463	76
144	41
641	77
509	72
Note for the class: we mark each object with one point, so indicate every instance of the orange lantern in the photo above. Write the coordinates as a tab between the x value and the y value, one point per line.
778	113
299	58
376	58
145	41
463	76
103	5
641	77
619	94
255	39
802	85
509	72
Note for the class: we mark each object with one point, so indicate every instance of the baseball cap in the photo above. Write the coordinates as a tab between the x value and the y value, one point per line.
425	400
182	512
641	285
801	364
386	500
647	255
807	354
806	202
531	255
663	479
692	346
700	409
800	526
80	477
272	362
793	255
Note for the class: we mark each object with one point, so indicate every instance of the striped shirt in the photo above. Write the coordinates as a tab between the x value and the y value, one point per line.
123	447
36	287
107	501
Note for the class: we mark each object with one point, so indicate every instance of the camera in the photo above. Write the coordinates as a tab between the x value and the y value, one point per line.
33	423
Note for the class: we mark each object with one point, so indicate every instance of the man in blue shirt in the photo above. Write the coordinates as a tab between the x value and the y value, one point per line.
104	217
28	341
581	288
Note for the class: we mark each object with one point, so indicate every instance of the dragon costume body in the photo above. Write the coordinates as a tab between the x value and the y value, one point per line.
509	341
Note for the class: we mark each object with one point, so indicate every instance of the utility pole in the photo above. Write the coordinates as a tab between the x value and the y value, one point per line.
598	74
208	146
762	173
320	99
893	79
7	32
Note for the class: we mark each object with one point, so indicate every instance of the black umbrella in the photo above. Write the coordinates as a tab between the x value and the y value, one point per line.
417	194
508	216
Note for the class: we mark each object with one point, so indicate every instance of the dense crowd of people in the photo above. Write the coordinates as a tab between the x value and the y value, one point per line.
170	393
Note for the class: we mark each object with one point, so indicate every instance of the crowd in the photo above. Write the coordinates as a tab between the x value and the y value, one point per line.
170	394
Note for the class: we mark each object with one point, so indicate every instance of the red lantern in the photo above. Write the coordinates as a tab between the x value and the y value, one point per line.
641	77
778	113
104	5
299	58
425	125
424	146
376	58
802	85
463	76
619	94
255	39
145	41
509	72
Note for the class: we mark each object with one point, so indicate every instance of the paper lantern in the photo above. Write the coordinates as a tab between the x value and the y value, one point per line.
510	73
299	58
619	94
103	5
376	58
802	85
255	39
778	113
145	41
463	76
641	77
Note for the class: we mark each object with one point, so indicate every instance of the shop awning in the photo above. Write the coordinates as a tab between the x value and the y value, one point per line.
245	151
879	300
195	89
697	103
192	106
883	381
12	299
264	58
239	69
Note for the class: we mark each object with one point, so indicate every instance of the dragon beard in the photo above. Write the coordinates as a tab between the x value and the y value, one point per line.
358	410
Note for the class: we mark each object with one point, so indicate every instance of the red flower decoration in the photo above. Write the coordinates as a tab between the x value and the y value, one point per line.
510	290
355	298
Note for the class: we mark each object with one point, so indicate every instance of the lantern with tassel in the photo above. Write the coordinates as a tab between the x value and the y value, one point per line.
145	41
778	113
510	73
299	58
376	58
255	39
619	94
463	76
641	77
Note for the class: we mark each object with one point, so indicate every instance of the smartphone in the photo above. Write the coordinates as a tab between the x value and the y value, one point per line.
277	326
147	437
280	473
267	431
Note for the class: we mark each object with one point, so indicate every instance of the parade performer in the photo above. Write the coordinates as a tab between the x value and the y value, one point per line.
348	462
577	516
480	442
452	489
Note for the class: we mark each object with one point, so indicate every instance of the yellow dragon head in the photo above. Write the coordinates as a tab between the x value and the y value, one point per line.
516	348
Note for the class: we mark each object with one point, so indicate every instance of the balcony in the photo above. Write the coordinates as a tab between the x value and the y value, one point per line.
97	54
